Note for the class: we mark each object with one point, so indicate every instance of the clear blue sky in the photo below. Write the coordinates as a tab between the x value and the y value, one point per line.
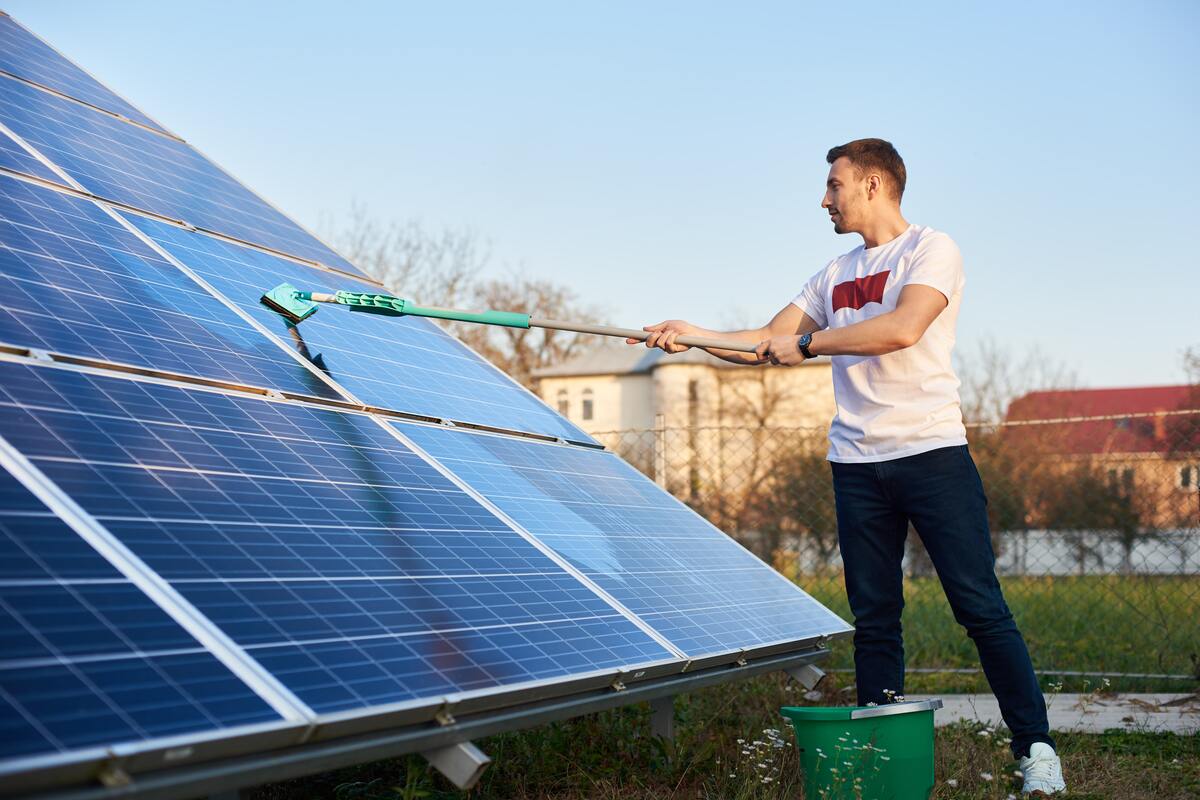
667	159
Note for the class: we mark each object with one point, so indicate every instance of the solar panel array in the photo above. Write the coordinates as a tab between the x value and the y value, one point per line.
217	526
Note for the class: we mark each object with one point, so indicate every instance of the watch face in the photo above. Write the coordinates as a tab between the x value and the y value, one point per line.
805	340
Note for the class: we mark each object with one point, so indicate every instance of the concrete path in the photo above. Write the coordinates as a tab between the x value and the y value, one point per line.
1088	713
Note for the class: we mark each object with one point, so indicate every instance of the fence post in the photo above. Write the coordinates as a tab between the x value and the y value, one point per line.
660	450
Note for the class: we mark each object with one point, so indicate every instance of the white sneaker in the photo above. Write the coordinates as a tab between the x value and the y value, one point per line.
1042	771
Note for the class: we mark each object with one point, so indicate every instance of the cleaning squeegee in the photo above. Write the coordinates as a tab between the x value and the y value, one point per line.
298	306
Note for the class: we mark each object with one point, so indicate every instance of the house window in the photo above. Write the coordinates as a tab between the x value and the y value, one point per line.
563	405
1121	478
588	407
1189	477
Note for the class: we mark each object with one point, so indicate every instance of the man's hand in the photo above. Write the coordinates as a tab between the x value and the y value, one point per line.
664	334
782	351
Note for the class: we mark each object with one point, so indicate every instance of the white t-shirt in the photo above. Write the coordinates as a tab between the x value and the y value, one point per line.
906	402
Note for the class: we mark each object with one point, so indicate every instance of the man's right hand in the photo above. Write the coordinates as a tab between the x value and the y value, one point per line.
664	334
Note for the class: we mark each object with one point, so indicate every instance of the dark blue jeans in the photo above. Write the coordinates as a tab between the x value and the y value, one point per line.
941	494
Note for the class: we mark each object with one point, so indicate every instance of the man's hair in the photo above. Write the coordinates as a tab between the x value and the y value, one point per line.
873	154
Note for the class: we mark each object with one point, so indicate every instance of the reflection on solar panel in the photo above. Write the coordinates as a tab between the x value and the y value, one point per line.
192	572
74	280
15	157
132	165
352	569
690	582
405	364
24	55
86	659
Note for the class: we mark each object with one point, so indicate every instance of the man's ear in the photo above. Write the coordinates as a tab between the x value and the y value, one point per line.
874	185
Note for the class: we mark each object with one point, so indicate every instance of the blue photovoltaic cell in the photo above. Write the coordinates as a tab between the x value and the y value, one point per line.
400	363
690	582
18	159
343	562
73	280
26	56
122	162
86	658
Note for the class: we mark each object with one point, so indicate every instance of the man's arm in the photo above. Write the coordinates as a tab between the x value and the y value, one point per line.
790	321
916	309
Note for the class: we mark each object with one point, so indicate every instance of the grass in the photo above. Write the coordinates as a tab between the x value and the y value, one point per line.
725	749
1112	623
1106	623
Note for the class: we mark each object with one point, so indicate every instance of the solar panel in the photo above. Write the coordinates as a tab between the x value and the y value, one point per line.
86	658
193	566
26	56
146	170
16	158
351	568
405	364
74	280
693	584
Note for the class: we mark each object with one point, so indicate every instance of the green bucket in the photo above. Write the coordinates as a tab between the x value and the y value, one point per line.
873	752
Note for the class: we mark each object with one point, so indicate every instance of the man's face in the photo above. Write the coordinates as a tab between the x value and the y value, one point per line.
845	197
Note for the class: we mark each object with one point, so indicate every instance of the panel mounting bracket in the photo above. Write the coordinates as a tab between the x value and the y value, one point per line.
807	675
113	776
461	763
445	715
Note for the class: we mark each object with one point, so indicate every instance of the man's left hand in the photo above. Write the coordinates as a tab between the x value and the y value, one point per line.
782	351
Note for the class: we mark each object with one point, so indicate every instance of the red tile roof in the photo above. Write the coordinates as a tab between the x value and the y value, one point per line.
1154	434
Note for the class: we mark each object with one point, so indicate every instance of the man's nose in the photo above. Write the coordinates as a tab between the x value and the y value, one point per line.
825	201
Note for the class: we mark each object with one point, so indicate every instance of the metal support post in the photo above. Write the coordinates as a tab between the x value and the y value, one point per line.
807	675
461	763
662	717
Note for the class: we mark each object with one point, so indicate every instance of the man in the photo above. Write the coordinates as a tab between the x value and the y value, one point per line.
885	313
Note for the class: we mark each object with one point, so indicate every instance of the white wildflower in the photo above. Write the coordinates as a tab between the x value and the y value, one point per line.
952	782
987	776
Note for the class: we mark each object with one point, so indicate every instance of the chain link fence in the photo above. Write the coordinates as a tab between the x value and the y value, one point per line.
1095	524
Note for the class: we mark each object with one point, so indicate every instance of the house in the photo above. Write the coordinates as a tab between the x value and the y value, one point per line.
634	388
1141	441
695	423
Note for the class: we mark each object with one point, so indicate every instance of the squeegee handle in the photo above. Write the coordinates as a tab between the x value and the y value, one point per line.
640	335
387	304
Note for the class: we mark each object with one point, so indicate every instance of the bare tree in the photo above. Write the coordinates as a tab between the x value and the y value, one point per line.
522	351
992	378
432	268
445	268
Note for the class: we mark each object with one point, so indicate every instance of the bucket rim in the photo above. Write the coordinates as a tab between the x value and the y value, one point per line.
862	712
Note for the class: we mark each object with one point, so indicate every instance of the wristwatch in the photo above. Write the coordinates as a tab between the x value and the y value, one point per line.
804	342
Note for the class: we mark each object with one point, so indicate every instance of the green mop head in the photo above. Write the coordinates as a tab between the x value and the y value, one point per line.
287	301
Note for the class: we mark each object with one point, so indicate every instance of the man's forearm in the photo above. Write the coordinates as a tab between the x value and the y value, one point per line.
886	333
734	356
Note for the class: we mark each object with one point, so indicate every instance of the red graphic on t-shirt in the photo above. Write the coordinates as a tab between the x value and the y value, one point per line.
860	291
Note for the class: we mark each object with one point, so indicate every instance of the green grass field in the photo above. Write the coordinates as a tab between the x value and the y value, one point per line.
724	751
1120	624
1128	624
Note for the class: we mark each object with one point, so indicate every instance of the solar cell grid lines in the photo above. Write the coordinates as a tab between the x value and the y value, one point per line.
129	164
690	582
400	363
18	159
86	659
26	56
347	565
194	565
74	280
